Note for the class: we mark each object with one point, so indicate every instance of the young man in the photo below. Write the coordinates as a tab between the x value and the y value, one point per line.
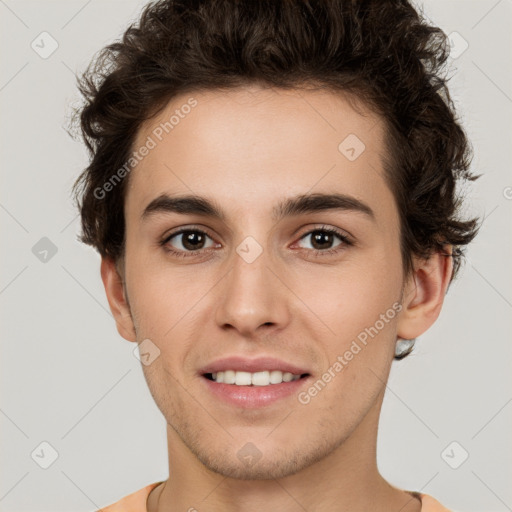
272	192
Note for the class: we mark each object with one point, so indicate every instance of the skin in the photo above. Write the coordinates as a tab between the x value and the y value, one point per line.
247	149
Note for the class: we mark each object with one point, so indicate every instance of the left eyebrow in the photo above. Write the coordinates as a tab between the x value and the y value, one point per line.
310	203
302	204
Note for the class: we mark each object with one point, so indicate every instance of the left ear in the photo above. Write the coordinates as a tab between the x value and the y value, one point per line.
424	293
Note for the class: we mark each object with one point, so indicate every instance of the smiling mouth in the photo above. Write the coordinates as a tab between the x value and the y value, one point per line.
263	378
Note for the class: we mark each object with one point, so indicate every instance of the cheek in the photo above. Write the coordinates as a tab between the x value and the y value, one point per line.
351	297
168	305
359	304
157	294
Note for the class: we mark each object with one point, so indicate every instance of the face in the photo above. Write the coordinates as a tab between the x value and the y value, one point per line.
278	286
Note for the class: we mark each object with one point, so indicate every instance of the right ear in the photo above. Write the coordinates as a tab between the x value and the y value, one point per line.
116	297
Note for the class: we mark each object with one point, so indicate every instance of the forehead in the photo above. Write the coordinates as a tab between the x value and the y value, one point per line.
250	147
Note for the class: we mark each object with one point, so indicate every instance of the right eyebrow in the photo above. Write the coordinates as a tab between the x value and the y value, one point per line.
184	205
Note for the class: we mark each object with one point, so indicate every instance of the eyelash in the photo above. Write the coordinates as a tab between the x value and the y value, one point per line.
316	252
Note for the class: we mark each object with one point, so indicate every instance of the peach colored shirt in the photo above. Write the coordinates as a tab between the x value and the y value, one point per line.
136	502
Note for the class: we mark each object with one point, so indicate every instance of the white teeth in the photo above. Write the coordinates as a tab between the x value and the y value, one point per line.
287	377
229	377
263	378
242	378
276	377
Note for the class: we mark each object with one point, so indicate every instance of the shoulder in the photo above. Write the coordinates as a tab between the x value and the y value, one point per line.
429	504
134	502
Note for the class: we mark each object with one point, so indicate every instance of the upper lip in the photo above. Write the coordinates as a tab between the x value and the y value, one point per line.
251	365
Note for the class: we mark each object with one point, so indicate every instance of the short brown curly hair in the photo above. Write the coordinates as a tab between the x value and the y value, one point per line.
382	51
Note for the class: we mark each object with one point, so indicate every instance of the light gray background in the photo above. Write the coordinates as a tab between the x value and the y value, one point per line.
69	379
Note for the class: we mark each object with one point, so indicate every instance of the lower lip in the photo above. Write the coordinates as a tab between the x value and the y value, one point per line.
252	397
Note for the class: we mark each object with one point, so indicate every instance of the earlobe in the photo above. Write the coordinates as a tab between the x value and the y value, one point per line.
424	294
113	283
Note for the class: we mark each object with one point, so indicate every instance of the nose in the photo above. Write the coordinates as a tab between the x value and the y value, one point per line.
253	298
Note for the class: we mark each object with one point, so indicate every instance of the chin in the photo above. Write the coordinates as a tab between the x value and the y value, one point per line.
264	463
259	470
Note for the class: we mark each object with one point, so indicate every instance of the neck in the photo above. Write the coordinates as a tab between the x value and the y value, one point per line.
344	481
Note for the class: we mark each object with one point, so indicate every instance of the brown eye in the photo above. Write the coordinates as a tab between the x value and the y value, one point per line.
187	241
192	240
322	240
